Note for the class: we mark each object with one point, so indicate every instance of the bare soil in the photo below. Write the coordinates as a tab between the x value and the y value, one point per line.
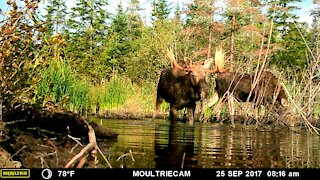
35	137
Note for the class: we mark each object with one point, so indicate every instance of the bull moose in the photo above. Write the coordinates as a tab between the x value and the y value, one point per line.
260	89
266	91
182	87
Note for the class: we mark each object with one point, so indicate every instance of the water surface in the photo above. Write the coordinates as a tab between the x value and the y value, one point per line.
157	144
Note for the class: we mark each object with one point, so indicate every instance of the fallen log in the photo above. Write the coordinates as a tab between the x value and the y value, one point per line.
52	120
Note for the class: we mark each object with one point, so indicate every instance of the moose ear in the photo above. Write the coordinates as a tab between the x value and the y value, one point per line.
207	63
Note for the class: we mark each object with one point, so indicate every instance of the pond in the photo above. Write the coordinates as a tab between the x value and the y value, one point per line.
155	143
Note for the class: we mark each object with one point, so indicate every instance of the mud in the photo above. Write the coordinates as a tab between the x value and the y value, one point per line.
34	137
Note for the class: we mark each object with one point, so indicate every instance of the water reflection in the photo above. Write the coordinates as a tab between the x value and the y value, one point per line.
179	145
157	144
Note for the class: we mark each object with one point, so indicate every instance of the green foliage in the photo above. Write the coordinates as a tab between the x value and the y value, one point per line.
85	34
135	23
60	84
315	26
99	61
114	93
121	94
160	10
146	63
56	16
19	47
290	48
199	20
117	44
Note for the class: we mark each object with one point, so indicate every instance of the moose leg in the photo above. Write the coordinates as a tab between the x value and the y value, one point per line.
158	104
191	114
173	114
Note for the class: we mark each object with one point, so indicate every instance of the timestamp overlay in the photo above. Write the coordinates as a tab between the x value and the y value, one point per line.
265	173
97	173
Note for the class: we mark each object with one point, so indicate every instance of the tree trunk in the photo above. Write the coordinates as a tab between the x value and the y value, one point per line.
210	30
233	22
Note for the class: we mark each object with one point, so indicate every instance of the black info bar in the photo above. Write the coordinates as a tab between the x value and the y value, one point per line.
98	173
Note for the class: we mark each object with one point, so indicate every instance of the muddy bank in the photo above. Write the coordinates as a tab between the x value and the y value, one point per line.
281	119
35	137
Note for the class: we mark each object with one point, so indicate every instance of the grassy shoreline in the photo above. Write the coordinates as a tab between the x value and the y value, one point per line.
119	96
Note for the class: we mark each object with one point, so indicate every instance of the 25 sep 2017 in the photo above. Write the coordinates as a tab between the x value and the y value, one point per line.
238	173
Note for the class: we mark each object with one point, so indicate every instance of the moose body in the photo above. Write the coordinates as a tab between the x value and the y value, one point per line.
180	89
267	91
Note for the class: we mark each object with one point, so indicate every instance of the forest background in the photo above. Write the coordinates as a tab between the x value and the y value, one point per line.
89	58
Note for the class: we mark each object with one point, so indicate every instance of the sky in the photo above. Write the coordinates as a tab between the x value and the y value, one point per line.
303	13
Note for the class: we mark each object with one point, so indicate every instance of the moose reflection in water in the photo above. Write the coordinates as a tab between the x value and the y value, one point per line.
160	144
188	148
179	146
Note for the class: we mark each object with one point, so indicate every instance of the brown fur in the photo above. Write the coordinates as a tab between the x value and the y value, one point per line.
182	89
266	91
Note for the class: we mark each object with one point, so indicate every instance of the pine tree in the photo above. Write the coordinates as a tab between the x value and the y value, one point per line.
134	19
241	22
87	30
56	16
117	45
160	10
315	26
199	28
291	48
177	14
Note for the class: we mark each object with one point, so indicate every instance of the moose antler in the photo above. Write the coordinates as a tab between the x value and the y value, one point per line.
173	61
219	60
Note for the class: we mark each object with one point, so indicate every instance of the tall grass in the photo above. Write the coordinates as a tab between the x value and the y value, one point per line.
60	84
120	95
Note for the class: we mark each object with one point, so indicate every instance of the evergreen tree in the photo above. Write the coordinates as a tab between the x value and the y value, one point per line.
87	30
177	14
199	28
160	10
134	19
315	26
56	16
117	45
290	50
242	19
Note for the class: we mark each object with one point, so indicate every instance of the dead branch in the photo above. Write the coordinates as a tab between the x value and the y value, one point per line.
104	157
77	141
16	121
41	156
183	158
81	162
131	155
92	144
23	147
126	154
308	124
80	154
43	163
